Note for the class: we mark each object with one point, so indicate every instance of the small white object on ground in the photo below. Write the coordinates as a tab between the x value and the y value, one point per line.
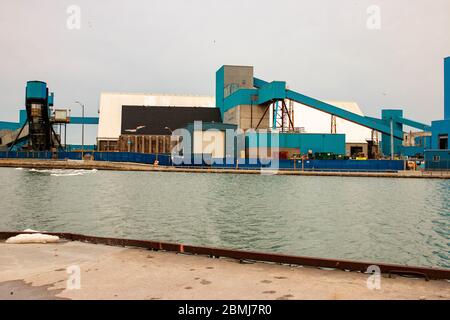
30	230
32	238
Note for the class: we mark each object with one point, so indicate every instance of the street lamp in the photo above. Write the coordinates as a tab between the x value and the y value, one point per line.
171	133
82	128
134	130
167	128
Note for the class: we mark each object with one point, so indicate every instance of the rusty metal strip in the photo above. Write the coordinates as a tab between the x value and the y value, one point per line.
428	273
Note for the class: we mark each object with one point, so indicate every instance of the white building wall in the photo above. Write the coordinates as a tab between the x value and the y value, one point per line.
315	121
209	142
110	110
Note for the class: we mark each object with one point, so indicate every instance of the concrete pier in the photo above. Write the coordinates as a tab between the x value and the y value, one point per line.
125	166
40	271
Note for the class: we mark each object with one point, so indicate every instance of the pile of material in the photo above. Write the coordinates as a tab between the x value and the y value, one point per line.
32	237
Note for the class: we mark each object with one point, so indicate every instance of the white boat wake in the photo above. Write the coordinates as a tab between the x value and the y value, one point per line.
63	172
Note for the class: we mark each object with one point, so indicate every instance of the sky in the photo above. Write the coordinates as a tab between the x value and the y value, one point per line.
379	53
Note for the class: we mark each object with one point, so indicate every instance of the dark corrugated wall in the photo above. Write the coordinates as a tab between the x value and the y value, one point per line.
156	119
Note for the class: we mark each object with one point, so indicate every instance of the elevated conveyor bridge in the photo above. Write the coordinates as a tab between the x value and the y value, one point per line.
265	93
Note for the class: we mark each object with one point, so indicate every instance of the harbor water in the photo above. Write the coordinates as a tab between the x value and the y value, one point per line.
405	221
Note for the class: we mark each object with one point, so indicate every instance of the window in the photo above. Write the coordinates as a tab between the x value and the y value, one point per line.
443	141
355	151
436	158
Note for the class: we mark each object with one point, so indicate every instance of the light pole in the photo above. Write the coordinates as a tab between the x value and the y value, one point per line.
82	128
167	128
171	133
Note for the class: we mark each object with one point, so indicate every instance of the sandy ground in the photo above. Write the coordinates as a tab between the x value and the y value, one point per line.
40	271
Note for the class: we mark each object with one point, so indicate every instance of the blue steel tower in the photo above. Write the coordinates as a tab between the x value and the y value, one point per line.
38	101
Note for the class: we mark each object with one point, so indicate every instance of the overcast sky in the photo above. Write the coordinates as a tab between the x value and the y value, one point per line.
321	48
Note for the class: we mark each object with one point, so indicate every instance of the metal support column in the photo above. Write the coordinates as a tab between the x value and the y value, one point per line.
333	124
264	114
392	139
65	136
291	122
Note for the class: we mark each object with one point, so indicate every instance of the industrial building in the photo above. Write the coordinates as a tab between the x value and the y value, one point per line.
357	137
144	123
300	127
208	141
37	121
275	121
110	115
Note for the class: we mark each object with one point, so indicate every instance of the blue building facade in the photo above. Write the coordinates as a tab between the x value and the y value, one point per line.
299	142
437	159
440	129
389	115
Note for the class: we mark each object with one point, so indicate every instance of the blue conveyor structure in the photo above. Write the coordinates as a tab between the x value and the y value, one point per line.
265	93
38	101
37	113
279	91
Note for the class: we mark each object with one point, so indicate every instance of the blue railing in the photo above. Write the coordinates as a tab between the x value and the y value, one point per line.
26	154
322	165
316	165
437	159
165	160
438	165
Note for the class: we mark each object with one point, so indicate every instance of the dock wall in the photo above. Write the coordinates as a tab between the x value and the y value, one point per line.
166	160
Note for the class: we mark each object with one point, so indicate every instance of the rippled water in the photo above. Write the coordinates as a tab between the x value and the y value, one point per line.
403	221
